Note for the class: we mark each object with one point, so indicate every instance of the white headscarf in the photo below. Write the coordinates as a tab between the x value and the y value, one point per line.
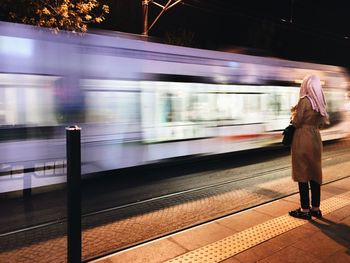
312	89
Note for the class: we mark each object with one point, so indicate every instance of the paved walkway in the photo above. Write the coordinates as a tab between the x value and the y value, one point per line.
261	234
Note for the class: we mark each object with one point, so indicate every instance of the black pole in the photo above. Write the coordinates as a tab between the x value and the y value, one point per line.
27	186
73	194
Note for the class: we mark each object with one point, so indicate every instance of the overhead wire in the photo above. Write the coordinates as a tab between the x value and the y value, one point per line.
214	7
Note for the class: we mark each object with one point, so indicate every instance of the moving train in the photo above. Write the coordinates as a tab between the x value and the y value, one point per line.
139	102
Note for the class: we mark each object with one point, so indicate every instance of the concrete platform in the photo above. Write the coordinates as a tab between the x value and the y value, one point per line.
262	234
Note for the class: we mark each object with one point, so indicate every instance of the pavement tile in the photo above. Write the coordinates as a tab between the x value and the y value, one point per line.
342	184
343	257
106	260
293	236
231	260
293	198
202	235
331	225
340	215
319	245
244	220
339	231
290	255
258	252
276	209
325	195
154	252
329	190
346	214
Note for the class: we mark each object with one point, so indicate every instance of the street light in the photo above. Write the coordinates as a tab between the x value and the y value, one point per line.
164	8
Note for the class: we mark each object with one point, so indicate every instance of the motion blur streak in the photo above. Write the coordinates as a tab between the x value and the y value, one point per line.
139	102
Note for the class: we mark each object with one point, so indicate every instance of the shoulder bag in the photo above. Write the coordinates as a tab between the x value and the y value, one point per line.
288	133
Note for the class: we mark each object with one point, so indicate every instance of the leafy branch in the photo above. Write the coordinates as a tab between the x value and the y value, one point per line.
72	15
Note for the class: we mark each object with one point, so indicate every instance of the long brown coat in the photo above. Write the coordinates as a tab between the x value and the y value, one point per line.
306	147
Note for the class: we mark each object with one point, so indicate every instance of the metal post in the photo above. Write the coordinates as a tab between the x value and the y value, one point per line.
291	11
27	186
164	8
73	194
27	191
145	17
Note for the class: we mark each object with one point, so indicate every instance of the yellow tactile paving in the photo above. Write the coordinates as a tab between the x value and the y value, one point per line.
234	244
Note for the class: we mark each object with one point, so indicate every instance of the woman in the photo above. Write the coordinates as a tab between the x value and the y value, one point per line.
307	117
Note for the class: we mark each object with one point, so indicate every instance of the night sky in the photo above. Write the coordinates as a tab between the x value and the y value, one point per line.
306	30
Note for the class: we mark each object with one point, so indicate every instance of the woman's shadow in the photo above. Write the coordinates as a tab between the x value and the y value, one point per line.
339	232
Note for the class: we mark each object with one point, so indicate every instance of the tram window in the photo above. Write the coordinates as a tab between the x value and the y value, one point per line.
251	103
111	107
171	107
27	99
111	101
204	107
227	106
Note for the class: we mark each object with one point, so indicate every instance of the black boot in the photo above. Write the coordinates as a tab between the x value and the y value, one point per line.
300	214
316	213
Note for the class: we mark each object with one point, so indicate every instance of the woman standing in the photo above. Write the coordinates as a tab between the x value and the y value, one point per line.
306	150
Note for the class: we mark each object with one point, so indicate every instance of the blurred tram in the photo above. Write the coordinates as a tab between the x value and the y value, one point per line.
150	101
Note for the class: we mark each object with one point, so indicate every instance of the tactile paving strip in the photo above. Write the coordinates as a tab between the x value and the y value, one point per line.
232	245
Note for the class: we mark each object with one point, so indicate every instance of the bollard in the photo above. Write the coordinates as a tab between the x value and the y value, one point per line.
27	186
73	194
27	192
